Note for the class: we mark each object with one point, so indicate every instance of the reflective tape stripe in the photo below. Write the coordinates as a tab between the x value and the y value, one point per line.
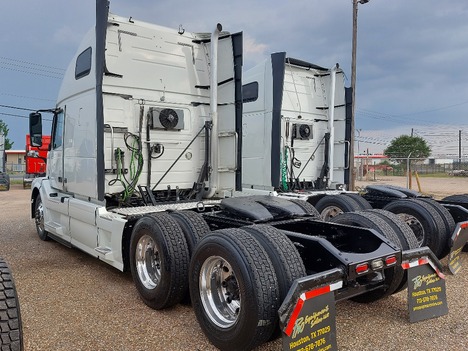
420	262
306	296
415	263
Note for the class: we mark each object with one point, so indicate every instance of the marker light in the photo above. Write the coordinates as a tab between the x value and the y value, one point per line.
390	260
362	268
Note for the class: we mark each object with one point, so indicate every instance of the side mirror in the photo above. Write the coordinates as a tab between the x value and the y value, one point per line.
35	129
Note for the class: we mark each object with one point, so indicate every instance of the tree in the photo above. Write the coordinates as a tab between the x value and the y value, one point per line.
406	146
4	130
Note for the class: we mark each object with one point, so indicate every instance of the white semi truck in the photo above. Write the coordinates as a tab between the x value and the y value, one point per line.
144	173
297	128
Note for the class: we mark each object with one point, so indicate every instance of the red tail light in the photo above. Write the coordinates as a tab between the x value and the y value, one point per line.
390	260
362	268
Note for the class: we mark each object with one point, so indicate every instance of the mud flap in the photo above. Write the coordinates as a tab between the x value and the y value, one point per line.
458	241
308	316
427	296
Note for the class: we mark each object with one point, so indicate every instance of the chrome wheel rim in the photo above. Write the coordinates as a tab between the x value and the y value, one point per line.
330	212
415	225
39	218
148	262
219	292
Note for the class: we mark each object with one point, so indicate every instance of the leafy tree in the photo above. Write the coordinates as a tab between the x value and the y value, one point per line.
4	130
406	146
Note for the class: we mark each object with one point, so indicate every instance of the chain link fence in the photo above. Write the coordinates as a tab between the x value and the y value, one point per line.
371	169
15	167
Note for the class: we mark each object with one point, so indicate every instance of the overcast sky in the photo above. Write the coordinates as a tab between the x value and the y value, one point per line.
411	58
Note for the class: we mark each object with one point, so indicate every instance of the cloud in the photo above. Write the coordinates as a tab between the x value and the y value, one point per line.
410	61
67	35
253	52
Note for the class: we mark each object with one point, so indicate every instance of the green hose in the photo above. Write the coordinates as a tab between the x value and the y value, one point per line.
284	170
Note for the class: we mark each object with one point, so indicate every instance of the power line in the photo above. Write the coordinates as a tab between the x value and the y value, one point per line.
17	108
388	117
31	68
29	72
26	97
19	116
12	115
27	63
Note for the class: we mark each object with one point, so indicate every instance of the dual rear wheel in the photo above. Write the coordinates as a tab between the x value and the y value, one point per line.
430	222
237	277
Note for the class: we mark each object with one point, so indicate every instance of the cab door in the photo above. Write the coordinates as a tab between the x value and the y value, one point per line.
56	203
55	157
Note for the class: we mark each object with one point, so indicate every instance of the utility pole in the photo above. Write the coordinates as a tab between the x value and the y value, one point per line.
459	149
353	88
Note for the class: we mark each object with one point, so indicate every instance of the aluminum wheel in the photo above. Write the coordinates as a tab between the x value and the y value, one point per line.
415	226
219	292
39	218
148	262
331	211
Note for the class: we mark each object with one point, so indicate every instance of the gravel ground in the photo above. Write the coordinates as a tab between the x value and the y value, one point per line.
70	301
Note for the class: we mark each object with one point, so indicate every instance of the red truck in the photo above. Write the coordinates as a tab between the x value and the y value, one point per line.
35	160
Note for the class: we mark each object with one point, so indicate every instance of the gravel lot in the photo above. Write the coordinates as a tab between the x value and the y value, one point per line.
70	301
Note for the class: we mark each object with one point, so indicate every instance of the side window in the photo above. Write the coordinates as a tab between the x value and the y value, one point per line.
57	131
83	63
250	92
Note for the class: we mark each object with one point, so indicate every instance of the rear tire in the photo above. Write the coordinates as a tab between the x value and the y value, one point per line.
330	206
405	234
394	275
159	260
283	254
363	203
407	238
424	221
286	260
234	290
307	207
11	330
193	226
448	220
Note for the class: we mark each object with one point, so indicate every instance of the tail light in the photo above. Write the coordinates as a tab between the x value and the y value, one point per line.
362	268
390	260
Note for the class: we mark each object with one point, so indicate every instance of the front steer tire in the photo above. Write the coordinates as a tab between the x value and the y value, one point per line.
159	260
39	219
11	332
234	290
